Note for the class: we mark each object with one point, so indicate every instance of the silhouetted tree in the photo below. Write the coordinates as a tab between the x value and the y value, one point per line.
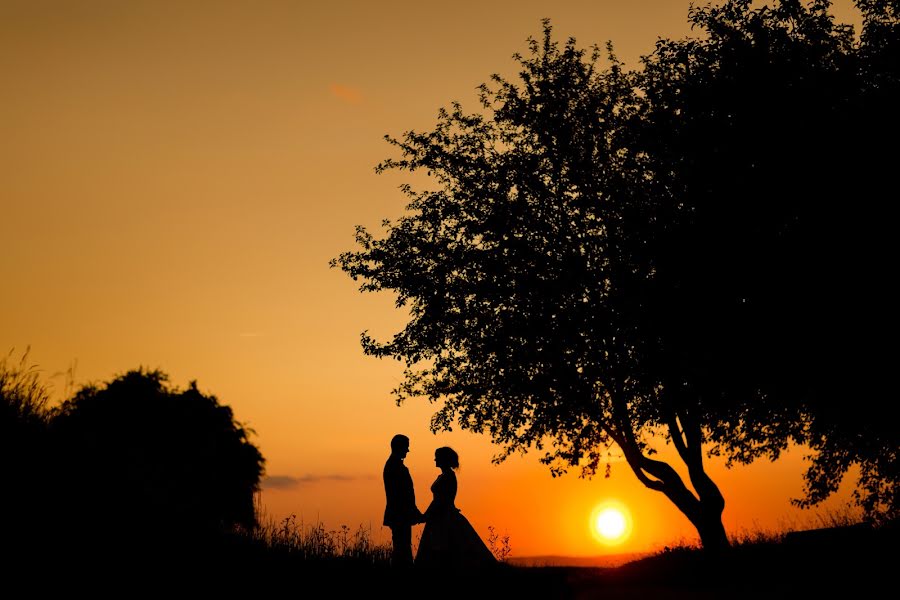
139	453
610	255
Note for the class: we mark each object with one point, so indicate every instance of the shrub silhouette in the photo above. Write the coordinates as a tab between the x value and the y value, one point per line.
23	435
23	415
137	451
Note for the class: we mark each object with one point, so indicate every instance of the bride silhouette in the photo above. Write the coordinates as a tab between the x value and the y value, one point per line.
448	538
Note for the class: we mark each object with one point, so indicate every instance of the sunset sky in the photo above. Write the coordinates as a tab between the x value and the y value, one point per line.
176	176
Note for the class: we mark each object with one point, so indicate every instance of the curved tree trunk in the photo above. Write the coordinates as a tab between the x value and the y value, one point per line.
712	502
711	530
703	508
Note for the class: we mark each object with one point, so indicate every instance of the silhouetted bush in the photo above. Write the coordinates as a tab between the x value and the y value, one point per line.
140	462
23	430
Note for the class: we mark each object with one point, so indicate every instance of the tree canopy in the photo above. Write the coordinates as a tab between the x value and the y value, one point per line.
693	249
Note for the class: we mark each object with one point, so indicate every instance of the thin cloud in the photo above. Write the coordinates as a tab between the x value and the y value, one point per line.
287	482
348	94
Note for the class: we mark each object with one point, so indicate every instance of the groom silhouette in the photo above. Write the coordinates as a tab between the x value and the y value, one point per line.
400	511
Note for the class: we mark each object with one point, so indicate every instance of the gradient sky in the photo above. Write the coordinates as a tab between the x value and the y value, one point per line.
176	176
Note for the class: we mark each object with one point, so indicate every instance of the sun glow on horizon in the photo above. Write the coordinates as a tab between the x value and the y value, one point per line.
610	523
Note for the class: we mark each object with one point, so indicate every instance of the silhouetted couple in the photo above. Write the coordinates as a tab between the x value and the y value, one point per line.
448	538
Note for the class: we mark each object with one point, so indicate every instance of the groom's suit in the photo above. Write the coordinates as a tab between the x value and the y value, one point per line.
400	511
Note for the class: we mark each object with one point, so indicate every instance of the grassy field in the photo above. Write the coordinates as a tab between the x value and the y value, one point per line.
306	560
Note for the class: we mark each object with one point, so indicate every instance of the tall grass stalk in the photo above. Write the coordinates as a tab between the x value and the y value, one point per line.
24	397
314	542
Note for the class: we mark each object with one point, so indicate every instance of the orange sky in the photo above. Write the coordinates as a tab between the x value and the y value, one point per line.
176	176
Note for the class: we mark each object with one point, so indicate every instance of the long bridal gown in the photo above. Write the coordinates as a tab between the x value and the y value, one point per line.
448	538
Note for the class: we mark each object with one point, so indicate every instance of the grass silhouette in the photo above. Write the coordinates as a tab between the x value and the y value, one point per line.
288	556
313	542
845	554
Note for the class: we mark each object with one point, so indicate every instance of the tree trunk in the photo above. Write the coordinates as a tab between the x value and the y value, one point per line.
703	509
704	512
708	519
712	531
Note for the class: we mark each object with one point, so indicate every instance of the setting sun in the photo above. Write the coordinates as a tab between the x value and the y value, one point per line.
610	523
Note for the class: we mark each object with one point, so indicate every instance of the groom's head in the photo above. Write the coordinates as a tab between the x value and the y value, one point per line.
400	445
